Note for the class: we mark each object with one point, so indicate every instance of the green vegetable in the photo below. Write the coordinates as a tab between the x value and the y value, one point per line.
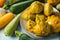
23	36
18	7
11	27
58	6
10	2
41	0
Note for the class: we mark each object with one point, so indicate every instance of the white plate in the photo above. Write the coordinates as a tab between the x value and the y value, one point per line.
23	25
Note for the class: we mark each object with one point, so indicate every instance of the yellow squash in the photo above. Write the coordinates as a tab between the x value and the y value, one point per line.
4	20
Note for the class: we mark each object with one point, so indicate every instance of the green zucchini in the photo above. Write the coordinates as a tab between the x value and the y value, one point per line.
18	7
23	36
58	6
10	2
11	27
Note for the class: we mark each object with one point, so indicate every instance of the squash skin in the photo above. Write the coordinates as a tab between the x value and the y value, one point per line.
53	2
36	7
41	29
30	24
26	15
38	27
48	10
54	21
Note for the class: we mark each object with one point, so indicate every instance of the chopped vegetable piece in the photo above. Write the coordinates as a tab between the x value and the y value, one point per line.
36	7
48	9
54	21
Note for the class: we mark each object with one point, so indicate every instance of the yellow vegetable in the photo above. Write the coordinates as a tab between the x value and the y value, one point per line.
48	10
30	24
4	20
53	2
36	7
54	21
41	29
26	15
40	18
